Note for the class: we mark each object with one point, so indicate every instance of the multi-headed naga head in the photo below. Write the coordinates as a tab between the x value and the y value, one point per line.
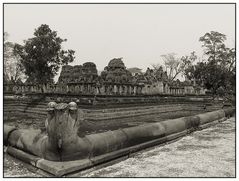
62	123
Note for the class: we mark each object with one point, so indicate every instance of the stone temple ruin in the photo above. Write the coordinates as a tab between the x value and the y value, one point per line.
88	119
86	73
115	79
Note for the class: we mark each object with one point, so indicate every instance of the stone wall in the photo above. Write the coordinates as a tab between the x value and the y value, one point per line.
76	89
155	88
114	80
104	88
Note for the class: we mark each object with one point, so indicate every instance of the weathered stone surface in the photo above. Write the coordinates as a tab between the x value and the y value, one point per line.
211	116
192	122
106	142
78	73
229	112
28	158
208	124
62	168
110	156
176	135
116	72
174	126
7	132
144	133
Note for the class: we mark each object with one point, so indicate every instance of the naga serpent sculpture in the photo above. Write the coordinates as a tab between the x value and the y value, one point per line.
62	143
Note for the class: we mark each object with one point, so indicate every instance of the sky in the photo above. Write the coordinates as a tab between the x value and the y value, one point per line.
140	33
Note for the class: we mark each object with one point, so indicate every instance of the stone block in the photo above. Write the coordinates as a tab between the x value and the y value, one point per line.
140	134
229	112
176	135
110	156
174	126
192	122
96	167
21	155
211	116
107	142
147	144
209	124
61	168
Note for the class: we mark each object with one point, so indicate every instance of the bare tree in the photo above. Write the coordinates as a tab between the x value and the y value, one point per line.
12	66
172	65
175	66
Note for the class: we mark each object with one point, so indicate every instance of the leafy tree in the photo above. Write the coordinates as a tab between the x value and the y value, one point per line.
12	66
187	64
214	45
42	55
217	73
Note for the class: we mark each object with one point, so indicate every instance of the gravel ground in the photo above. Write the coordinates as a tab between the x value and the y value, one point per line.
206	153
15	168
